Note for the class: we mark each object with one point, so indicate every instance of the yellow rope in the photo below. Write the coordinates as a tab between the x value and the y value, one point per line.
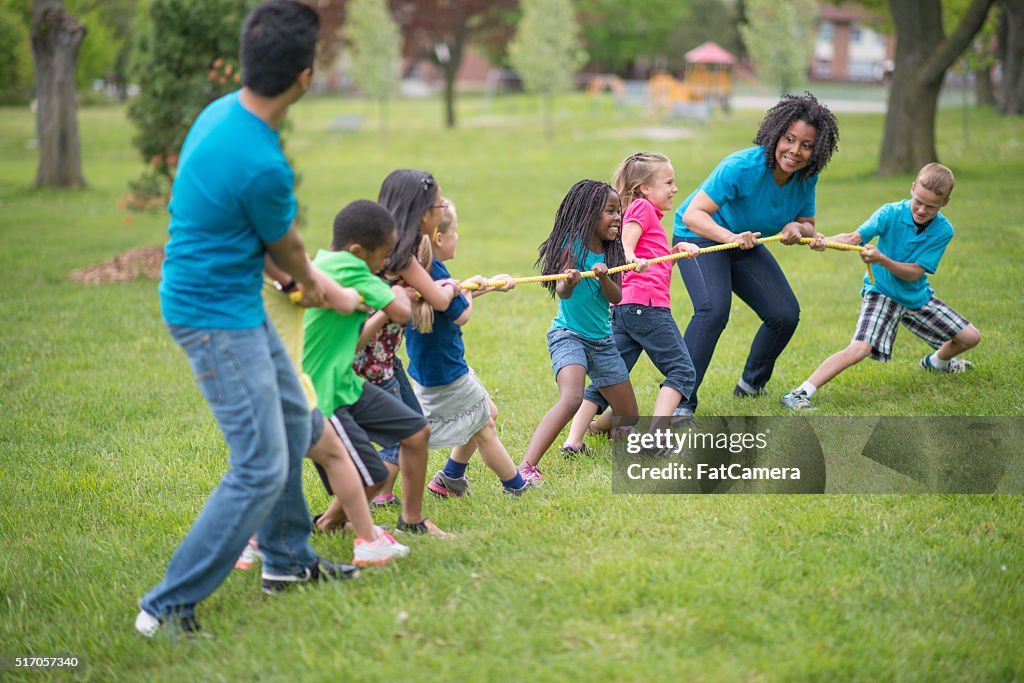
471	286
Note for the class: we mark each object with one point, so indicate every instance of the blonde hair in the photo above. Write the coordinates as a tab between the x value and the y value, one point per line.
936	178
422	312
636	170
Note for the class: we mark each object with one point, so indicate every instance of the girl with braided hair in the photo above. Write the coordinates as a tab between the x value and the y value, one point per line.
642	322
585	236
764	190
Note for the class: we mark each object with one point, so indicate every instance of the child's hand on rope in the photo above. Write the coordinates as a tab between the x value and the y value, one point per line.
481	284
817	242
642	264
510	282
689	248
573	277
871	254
746	240
600	270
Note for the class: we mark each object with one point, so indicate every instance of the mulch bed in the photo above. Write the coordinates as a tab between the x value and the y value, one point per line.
125	267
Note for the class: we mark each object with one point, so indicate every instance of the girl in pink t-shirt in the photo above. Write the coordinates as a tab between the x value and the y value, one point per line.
642	321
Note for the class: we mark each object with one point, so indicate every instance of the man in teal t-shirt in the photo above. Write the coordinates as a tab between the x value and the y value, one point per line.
233	201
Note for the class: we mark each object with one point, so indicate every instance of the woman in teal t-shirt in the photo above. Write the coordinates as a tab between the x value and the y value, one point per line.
759	191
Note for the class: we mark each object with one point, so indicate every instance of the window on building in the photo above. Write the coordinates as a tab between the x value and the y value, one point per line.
855	34
825	31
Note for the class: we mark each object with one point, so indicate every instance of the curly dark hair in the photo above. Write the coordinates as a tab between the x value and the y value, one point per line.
804	108
575	222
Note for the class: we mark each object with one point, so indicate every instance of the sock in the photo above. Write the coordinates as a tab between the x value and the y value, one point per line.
807	388
515	482
455	470
937	362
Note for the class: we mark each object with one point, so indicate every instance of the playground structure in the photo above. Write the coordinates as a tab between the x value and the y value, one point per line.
707	81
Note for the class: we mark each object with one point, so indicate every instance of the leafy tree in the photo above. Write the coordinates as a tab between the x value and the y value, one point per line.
924	52
186	56
443	29
56	37
636	38
376	50
15	57
546	50
100	49
779	37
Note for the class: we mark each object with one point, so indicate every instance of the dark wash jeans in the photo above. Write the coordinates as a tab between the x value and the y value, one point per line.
756	278
637	329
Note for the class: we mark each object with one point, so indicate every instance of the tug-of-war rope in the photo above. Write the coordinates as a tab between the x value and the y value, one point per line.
470	286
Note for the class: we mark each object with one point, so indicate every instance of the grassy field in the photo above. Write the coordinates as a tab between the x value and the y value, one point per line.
107	451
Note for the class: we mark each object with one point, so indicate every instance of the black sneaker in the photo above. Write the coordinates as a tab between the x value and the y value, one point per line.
740	392
321	570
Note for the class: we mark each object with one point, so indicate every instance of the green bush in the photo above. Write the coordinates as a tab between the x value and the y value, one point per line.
16	73
186	56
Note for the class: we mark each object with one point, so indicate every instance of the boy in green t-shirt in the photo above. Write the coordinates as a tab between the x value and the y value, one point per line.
364	235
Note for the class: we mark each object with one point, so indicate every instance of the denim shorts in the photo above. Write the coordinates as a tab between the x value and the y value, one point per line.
600	357
638	329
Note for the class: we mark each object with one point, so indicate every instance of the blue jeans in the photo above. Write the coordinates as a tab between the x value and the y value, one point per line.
637	329
399	387
756	278
255	396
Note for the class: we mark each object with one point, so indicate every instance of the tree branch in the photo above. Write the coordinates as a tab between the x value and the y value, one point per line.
954	44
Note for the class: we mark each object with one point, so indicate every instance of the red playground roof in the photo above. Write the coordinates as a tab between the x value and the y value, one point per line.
709	53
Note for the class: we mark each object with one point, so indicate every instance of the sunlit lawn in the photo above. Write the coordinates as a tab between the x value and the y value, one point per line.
107	451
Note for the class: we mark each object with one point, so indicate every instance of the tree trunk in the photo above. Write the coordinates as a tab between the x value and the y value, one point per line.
923	54
449	95
56	37
1011	89
984	90
450	69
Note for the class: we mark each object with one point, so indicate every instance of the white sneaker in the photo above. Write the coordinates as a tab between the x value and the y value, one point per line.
956	365
180	627
147	624
381	551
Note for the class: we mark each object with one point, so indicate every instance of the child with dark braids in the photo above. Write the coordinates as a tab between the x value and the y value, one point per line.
585	236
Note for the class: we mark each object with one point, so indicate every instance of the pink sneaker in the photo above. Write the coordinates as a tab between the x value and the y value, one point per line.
531	473
381	551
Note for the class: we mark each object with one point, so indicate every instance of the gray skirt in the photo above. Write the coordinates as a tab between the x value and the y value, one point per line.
455	411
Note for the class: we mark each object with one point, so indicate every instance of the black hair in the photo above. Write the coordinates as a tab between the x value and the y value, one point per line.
804	108
278	42
362	222
408	194
575	222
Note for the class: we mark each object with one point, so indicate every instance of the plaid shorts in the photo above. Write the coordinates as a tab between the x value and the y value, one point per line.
935	323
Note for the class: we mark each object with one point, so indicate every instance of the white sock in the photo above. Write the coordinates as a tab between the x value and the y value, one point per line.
937	362
807	388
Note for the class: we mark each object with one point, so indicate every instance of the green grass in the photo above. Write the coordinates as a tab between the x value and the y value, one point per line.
107	451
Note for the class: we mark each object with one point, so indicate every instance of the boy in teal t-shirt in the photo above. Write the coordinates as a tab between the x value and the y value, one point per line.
364	236
912	238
